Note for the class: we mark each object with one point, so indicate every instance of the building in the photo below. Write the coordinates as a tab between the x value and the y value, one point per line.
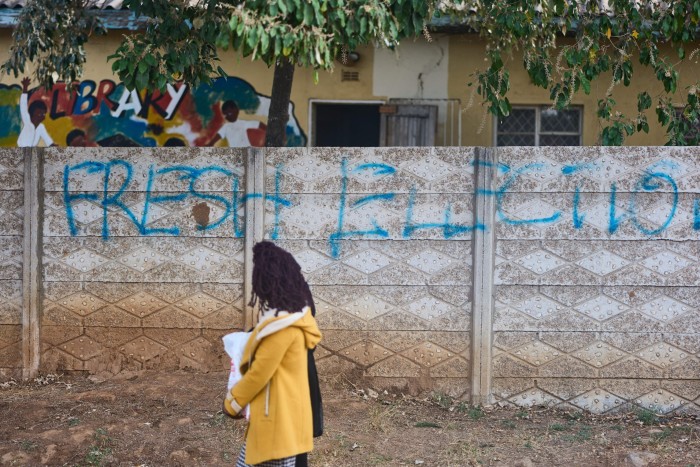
416	95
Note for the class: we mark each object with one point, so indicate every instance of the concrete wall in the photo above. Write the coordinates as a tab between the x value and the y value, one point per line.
118	292
597	275
394	296
574	272
11	249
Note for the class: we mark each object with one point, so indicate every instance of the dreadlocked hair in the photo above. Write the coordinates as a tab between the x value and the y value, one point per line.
277	280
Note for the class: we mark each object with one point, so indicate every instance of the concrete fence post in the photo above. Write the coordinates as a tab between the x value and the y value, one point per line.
31	260
254	220
482	273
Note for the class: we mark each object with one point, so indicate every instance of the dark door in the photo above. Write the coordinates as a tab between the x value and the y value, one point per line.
346	125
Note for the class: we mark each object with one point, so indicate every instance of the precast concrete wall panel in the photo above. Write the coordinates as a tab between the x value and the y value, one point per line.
597	278
384	238
11	270
142	258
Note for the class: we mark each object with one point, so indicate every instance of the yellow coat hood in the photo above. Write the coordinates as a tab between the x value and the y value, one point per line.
302	320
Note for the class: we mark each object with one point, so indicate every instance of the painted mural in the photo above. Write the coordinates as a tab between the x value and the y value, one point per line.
229	112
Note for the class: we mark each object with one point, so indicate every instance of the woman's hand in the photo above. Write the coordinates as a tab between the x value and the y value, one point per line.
229	408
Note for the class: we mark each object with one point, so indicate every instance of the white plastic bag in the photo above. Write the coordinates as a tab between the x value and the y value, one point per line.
234	344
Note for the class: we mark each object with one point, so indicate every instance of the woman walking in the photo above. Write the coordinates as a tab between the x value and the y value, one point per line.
275	378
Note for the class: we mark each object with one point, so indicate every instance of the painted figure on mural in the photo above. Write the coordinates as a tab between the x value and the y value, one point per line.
77	138
238	133
33	116
174	142
109	115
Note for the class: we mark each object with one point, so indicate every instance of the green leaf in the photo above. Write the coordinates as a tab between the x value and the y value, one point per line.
643	101
585	83
308	14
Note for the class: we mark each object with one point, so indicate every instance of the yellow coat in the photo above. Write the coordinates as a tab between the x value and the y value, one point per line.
275	384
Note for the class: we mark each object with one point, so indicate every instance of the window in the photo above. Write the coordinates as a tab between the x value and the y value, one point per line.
539	126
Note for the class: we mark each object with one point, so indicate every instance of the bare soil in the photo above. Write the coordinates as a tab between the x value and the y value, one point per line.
157	418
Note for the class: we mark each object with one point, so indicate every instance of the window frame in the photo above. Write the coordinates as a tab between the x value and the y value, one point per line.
538	125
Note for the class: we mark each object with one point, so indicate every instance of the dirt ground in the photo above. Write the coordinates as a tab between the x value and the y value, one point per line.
150	419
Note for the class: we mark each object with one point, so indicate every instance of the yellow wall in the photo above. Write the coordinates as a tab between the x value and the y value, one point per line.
466	54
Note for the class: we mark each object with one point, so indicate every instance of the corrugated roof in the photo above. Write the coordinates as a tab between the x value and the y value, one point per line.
101	4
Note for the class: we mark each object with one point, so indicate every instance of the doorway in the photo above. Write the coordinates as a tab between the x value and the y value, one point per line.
345	124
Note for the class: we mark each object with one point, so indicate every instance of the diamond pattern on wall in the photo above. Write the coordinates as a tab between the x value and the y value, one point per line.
599	215
366	353
368	261
608	169
427	354
603	263
429	261
664	308
82	303
429	169
155	212
86	212
540	262
429	308
534	210
309	218
143	259
368	307
660	401
534	397
597	401
82	347
536	353
311	260
143	349
141	304
85	260
662	355
199	305
599	354
309	168
666	263
538	307
202	259
601	308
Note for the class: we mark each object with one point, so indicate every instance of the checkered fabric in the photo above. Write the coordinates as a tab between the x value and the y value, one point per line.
286	462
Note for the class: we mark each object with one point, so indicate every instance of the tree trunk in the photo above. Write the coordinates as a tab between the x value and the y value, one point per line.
276	135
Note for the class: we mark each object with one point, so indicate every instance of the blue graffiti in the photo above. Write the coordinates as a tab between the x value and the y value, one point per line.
503	190
648	184
277	200
577	217
117	175
377	231
111	198
449	229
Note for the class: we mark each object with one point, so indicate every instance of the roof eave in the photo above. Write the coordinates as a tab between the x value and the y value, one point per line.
112	19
